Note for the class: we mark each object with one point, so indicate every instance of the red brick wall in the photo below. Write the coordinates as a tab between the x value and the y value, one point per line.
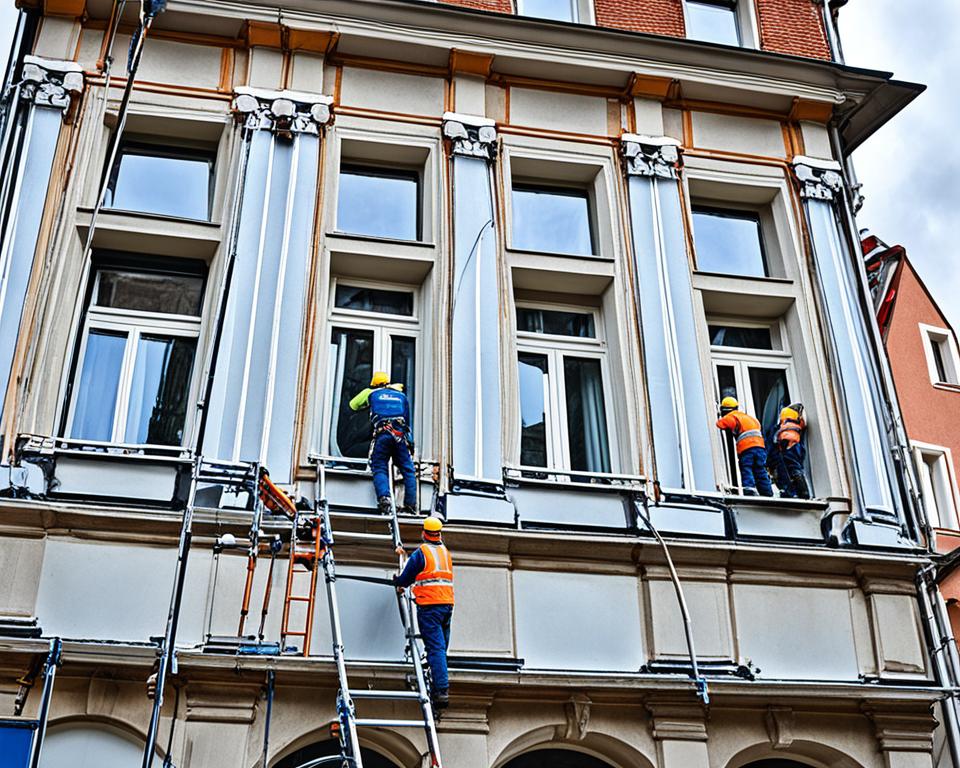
658	17
794	27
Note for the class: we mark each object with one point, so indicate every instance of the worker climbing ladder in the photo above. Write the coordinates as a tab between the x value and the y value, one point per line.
312	550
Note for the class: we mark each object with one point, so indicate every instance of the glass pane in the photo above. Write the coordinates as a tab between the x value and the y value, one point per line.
712	22
403	366
555	322
728	243
552	220
938	360
586	415
374	300
533	373
727	387
96	396
352	361
560	10
149	291
157	183
379	204
734	336
160	389
769	389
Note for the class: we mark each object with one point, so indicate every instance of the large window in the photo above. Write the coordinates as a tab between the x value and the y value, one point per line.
729	241
153	178
563	413
713	21
373	328
379	202
133	376
558	10
943	361
751	364
552	219
937	484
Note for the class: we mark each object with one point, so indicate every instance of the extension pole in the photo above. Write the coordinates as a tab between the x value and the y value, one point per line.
173	616
49	674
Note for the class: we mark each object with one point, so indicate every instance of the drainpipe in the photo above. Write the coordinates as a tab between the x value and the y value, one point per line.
830	27
943	653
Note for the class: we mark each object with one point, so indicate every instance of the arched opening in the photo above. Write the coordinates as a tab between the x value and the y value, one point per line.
88	745
331	748
776	763
556	758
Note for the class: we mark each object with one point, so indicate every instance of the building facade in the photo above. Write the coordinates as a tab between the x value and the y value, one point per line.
569	229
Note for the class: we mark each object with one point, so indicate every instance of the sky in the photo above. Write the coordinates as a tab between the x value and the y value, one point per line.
910	169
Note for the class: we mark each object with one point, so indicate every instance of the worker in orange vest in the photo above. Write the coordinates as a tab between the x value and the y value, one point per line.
751	450
787	456
430	571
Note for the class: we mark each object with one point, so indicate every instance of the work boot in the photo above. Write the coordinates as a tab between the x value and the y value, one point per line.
750	492
441	698
383	505
801	487
408	509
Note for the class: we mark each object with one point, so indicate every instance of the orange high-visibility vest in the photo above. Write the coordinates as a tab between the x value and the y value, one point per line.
434	584
790	431
746	430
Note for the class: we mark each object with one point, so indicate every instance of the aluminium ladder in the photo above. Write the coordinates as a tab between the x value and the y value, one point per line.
318	553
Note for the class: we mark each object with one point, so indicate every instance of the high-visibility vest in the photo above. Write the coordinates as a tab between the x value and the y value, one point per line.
746	430
434	584
790	431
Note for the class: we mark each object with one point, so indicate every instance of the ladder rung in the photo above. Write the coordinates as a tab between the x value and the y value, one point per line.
364	693
375	723
295	634
363	536
361	516
298	598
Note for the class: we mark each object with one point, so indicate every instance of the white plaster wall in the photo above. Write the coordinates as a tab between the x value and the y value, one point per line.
20	563
89	746
391	92
737	134
166	61
558	111
709	606
816	141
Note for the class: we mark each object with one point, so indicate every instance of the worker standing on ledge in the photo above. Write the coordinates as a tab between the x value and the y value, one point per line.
430	571
751	450
788	454
392	439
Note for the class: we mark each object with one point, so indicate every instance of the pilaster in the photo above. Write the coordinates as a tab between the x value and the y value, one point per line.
904	733
679	727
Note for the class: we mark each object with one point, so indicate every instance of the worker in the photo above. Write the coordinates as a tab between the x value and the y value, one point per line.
430	571
751	450
789	452
392	439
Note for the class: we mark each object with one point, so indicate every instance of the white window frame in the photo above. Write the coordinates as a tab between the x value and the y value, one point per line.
383	326
941	498
583	11
741	359
135	323
947	342
746	22
555	347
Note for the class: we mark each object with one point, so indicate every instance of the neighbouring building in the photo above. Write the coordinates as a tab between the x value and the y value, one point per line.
569	229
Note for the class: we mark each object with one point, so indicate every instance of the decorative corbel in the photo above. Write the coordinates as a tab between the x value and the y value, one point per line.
818	179
470	136
779	722
653	156
49	83
283	112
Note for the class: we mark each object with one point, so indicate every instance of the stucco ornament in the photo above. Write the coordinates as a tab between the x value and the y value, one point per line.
51	83
657	156
818	179
470	136
283	112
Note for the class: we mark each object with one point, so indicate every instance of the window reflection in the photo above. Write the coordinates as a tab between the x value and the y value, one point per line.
558	10
158	392
533	436
552	220
379	202
99	384
162	180
556	322
729	242
713	21
374	300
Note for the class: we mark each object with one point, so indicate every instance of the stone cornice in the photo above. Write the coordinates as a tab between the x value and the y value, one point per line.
283	112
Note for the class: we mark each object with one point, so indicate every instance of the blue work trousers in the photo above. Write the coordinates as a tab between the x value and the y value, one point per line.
386	447
434	621
753	471
787	463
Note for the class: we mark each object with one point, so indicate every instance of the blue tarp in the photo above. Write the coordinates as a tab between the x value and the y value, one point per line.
16	736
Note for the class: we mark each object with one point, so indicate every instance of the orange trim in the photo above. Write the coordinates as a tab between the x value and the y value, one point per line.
64	7
811	111
194	38
268	34
470	62
649	86
382	114
386	65
226	70
720	108
738	157
604	91
311	40
506	103
563	135
95	78
687	127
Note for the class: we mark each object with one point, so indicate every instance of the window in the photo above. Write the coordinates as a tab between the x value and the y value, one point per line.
552	219
563	414
729	241
170	181
943	361
937	484
558	10
379	202
133	376
751	364
373	328
713	21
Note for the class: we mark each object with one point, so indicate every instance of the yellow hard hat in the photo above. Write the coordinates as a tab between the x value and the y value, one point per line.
379	378
433	525
789	413
729	402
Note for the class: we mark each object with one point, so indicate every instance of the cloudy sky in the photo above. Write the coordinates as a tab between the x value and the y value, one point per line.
911	168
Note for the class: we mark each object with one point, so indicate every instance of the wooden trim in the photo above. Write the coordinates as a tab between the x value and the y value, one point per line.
148	86
470	62
387	65
267	34
811	111
733	110
73	8
384	115
583	138
602	91
311	40
738	157
687	126
650	86
226	70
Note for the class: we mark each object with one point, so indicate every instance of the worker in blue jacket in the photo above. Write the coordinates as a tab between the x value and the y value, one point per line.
392	439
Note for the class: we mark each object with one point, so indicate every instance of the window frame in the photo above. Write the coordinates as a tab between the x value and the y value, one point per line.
943	454
732	212
384	326
133	323
373	169
526	184
555	347
173	151
735	7
946	341
580	10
